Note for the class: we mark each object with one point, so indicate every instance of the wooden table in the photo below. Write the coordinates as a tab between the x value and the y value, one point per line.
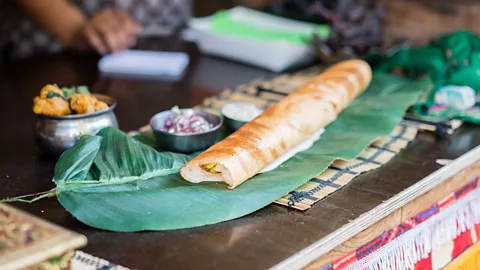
261	240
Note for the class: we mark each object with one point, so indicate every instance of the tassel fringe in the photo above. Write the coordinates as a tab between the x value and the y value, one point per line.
417	244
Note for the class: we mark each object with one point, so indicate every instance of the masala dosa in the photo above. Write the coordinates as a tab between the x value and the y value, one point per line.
281	127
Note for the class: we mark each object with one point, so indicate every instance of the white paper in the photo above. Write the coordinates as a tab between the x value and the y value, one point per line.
145	63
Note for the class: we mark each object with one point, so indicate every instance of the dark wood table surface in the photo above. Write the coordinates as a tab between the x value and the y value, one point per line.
257	241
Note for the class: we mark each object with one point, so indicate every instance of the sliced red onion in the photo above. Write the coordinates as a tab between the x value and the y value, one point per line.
185	122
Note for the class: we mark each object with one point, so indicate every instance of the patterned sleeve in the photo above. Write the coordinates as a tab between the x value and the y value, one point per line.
27	39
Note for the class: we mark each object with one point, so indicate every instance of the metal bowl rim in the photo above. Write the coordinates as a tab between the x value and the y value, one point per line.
234	120
215	128
111	106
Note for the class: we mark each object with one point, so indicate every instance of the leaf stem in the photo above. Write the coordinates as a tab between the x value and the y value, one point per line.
40	195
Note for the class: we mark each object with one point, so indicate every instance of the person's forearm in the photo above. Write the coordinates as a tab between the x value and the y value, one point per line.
59	18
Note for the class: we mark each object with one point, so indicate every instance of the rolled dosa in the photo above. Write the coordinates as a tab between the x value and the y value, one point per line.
281	127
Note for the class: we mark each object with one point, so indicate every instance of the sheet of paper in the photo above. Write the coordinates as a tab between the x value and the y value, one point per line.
145	63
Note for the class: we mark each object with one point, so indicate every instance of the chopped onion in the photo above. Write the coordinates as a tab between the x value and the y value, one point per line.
185	122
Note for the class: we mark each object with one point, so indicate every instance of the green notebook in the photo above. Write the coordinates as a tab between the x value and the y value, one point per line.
223	23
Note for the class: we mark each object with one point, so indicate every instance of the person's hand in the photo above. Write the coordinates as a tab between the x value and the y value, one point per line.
111	31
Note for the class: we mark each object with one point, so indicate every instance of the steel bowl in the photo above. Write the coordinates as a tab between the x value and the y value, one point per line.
185	143
234	124
55	134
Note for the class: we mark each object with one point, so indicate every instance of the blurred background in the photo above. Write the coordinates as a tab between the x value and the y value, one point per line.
416	20
241	40
357	24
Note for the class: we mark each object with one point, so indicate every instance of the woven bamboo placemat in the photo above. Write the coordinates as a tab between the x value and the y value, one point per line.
266	91
341	172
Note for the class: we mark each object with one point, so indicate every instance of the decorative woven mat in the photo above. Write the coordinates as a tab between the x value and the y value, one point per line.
264	92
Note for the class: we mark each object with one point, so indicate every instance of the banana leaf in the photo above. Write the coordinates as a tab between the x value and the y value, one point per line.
114	182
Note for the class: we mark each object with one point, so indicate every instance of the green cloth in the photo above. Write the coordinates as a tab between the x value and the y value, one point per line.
452	59
223	23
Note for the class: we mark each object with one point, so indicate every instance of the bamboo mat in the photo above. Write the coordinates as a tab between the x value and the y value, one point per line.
341	172
266	91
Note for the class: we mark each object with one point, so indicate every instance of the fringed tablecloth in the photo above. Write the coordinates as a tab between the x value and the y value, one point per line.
429	240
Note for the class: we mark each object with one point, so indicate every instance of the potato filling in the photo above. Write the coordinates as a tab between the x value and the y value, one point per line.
210	167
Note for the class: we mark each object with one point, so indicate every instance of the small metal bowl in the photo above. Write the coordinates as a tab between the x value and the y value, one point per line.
185	143
55	134
235	124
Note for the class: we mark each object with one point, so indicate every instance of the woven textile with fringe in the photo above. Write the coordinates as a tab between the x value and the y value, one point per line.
429	240
470	259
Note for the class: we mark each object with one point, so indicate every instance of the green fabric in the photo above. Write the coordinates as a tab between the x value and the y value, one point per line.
452	59
114	182
222	23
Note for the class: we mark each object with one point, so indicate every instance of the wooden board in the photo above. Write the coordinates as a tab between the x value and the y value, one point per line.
26	240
